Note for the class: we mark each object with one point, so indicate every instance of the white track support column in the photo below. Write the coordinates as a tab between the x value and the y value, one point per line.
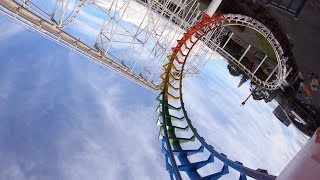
245	52
138	57
61	5
64	11
181	5
138	31
274	70
194	20
265	57
213	6
288	72
188	12
26	4
162	36
215	39
228	40
110	26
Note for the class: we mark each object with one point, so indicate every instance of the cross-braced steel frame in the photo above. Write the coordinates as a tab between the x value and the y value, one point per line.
145	41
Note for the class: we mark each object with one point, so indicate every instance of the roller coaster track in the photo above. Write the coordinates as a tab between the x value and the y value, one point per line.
172	110
242	20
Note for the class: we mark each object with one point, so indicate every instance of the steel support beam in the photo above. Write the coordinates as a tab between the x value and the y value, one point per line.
264	58
245	52
15	11
224	45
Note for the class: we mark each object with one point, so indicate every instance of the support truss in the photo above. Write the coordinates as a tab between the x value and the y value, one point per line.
157	26
51	31
136	35
61	13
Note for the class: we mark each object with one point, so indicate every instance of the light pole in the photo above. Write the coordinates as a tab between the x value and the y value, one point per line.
244	102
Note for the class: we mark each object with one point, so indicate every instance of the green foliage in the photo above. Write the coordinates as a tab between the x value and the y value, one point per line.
265	46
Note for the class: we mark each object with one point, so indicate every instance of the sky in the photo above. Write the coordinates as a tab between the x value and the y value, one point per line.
65	117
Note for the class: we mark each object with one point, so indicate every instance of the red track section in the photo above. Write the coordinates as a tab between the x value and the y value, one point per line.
206	22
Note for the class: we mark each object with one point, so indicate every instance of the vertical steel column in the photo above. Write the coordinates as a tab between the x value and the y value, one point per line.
181	5
265	57
186	21
153	29
227	40
274	70
217	45
245	52
288	72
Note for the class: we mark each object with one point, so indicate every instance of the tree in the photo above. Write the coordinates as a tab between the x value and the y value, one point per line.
259	93
242	80
233	70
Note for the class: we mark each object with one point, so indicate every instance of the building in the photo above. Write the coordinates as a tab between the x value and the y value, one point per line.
281	115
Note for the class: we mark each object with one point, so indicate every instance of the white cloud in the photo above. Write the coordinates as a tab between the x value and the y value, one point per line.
72	119
125	145
12	170
85	29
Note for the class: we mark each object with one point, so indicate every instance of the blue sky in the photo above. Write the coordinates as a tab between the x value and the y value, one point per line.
64	117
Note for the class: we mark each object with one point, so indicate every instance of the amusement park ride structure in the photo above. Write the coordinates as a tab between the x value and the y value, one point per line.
148	59
146	41
171	106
